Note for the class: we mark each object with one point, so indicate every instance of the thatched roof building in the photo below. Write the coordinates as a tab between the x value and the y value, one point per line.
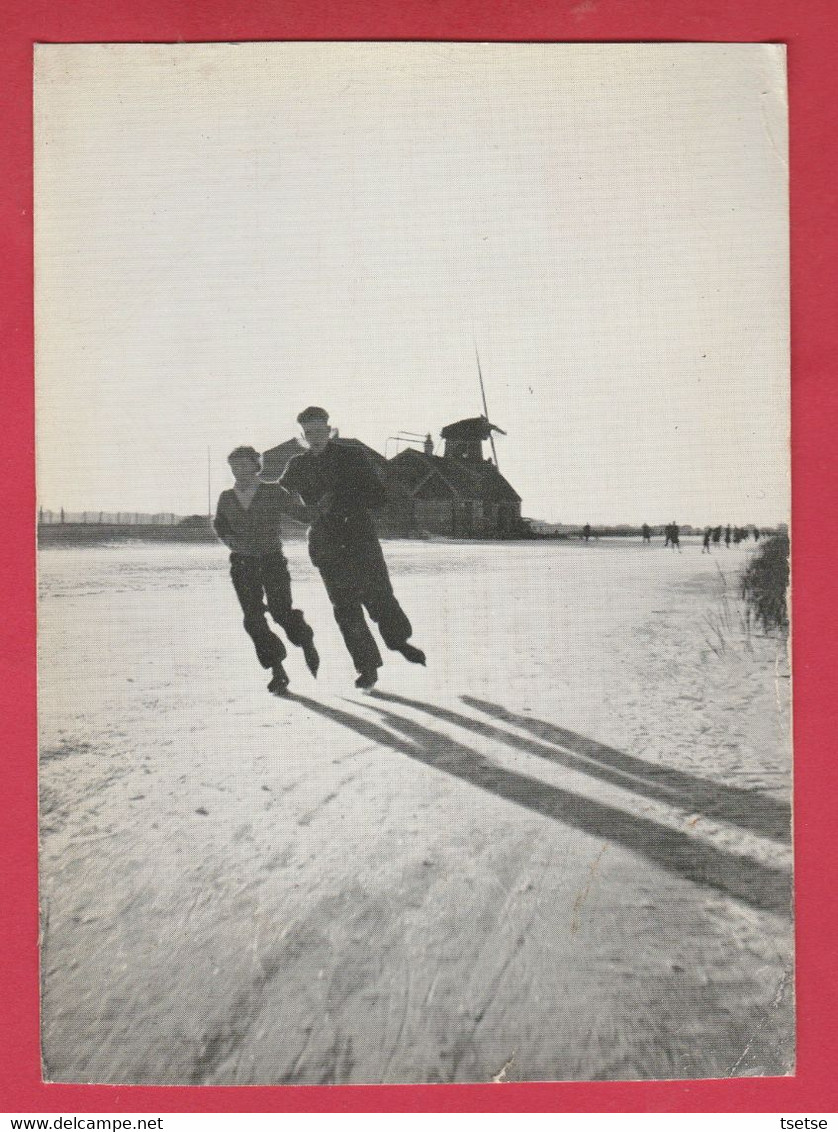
460	493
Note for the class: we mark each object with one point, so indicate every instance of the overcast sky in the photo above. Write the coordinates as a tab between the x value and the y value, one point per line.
228	233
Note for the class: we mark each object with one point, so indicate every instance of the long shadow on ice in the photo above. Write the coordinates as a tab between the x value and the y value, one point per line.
741	877
748	809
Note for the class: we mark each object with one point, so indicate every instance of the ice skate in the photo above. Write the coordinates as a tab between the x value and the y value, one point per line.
367	679
411	653
312	656
279	682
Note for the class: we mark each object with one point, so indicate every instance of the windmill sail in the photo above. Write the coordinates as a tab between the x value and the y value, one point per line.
485	406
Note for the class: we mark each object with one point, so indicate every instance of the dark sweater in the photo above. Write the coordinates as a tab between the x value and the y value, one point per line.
254	530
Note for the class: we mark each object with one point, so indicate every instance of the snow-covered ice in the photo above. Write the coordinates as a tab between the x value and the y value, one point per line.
560	852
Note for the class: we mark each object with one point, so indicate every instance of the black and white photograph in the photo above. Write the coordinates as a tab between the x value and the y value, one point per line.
414	692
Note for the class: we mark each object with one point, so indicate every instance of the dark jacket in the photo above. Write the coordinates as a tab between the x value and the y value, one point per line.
343	484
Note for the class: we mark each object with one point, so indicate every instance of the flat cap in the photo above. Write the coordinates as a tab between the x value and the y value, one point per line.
312	413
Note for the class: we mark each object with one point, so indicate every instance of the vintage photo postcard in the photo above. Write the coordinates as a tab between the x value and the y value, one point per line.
413	502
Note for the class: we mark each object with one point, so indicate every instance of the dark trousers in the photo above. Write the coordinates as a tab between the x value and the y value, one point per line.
255	579
356	580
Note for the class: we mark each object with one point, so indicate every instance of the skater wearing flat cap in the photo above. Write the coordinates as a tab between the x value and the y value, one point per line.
247	521
336	482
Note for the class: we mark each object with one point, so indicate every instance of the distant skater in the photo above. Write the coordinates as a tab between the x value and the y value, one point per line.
247	521
717	536
586	531
705	546
647	533
727	535
675	536
338	485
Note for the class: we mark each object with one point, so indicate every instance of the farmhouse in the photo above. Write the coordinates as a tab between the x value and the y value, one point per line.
459	493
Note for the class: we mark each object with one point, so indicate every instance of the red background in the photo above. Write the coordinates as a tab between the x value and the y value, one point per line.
808	27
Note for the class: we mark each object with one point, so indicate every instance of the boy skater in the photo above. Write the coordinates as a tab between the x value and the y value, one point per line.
338	485
247	521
